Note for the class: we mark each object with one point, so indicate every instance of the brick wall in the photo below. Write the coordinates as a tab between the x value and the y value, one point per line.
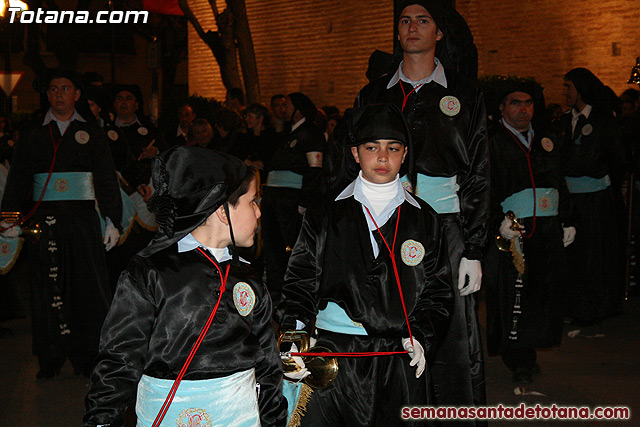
321	47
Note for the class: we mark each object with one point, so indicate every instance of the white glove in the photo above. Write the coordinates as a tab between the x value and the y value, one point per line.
507	232
473	269
303	372
569	235
416	352
10	232
111	235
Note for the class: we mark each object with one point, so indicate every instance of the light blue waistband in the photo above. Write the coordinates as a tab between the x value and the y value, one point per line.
586	184
286	179
228	401
335	319
64	186
441	193
521	203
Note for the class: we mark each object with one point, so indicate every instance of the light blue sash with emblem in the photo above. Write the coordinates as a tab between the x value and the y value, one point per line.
333	318
441	193
285	179
10	248
586	184
521	203
230	401
64	186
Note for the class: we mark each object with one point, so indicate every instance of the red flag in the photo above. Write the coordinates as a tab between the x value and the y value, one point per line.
163	7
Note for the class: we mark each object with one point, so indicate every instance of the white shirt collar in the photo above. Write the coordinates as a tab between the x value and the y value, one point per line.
120	123
189	243
180	132
298	124
355	190
585	112
437	76
62	126
518	134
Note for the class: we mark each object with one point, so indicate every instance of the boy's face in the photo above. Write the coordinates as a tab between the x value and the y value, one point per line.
244	217
380	160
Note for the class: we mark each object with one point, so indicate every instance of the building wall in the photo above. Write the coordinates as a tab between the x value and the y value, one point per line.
321	47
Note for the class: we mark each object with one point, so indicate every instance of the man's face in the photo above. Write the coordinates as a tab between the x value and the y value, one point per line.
186	116
380	160
279	108
517	110
290	109
95	109
570	93
417	31
62	95
125	104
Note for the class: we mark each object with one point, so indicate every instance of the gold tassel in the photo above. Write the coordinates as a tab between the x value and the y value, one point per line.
301	406
518	259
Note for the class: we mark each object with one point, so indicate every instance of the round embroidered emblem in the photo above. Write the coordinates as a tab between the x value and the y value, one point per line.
547	144
412	252
243	298
587	129
82	137
61	185
143	131
544	203
194	417
113	135
450	105
4	249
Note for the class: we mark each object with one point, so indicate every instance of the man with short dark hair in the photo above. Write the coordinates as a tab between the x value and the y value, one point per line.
279	111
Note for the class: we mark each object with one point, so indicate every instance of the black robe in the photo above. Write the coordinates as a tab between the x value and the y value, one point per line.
161	304
70	290
446	146
544	281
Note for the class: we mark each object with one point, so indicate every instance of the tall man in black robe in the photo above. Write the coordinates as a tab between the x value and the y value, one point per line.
62	164
446	115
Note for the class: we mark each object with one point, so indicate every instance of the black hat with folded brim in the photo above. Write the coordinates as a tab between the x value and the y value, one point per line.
190	183
304	104
43	79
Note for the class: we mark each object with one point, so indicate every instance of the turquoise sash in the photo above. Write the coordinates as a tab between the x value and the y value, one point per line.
521	203
229	401
285	179
335	319
441	193
586	184
64	186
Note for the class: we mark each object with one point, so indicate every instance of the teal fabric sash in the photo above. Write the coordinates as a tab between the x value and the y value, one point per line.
64	186
286	179
521	203
441	193
335	319
586	184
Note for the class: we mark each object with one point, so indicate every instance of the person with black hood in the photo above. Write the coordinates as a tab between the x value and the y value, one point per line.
370	272
188	314
526	277
61	168
294	182
594	161
447	118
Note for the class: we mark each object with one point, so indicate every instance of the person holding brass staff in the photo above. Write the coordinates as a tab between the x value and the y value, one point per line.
370	272
525	269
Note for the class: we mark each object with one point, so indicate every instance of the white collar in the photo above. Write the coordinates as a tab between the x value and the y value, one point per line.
437	76
189	243
355	190
50	116
298	124
518	134
585	112
120	123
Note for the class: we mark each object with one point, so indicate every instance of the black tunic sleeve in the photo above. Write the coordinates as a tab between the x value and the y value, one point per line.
105	180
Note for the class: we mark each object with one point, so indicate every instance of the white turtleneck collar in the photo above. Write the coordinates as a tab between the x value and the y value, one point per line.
378	195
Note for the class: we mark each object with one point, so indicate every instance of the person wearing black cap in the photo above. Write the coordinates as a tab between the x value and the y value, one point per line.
525	280
447	118
370	271
594	161
61	167
294	182
205	204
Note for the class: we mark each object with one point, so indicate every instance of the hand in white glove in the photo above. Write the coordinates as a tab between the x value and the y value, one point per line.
416	352
14	231
111	235
303	372
507	232
569	235
473	269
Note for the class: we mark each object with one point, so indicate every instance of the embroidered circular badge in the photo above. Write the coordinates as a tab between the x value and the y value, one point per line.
587	129
5	249
113	135
82	137
407	186
61	185
243	298
143	131
450	105
544	203
547	144
412	252
194	417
